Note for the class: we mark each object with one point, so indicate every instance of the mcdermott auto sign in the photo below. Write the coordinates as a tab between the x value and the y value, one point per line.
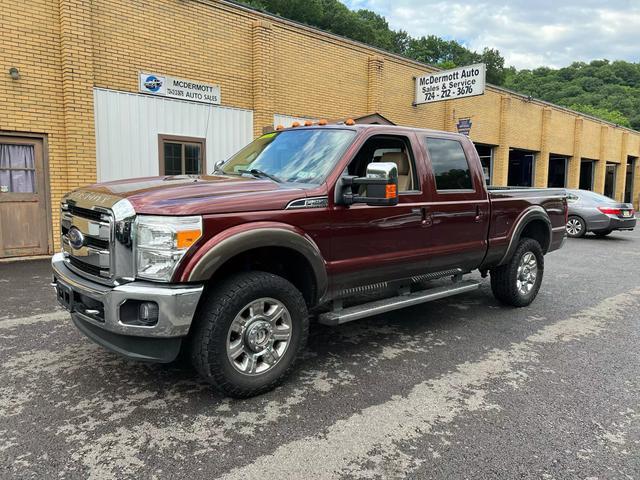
165	86
450	84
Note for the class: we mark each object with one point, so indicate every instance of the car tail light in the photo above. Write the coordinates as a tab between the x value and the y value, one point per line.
610	211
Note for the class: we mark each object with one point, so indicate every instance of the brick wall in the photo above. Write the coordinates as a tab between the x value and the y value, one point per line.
30	41
64	48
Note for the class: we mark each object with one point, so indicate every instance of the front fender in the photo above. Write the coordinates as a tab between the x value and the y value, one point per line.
241	238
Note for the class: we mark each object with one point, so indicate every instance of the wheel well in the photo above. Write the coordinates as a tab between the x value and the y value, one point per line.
539	231
282	261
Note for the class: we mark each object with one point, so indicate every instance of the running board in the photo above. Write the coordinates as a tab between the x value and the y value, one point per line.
377	307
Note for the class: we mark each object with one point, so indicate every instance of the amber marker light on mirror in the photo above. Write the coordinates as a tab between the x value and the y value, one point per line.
391	191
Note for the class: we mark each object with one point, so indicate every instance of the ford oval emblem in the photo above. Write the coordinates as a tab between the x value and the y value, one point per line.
76	238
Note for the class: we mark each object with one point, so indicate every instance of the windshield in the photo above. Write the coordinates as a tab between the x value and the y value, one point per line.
303	156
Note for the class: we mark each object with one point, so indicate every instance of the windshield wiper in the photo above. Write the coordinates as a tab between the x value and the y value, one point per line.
260	174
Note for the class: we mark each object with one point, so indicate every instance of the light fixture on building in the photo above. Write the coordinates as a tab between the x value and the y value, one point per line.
15	73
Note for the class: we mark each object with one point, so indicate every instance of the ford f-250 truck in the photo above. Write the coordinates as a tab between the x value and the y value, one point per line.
230	267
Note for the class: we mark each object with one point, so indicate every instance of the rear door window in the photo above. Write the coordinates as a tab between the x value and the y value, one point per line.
450	166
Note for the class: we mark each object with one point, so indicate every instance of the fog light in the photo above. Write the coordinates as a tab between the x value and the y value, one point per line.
148	313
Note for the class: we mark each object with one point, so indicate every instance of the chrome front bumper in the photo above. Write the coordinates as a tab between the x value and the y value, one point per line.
97	309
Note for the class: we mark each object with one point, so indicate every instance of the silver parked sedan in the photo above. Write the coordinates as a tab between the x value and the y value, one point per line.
592	212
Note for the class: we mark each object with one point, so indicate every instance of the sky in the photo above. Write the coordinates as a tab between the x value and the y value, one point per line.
528	33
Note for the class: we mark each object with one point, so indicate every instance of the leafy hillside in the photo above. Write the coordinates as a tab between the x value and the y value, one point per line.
608	90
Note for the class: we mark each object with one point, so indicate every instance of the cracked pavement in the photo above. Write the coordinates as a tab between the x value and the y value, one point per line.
458	388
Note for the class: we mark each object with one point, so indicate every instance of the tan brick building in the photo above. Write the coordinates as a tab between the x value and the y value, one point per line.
71	111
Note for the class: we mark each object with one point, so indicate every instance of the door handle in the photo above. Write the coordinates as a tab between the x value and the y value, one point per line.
478	214
422	211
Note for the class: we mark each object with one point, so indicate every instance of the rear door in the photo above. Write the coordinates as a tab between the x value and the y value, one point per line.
458	204
24	225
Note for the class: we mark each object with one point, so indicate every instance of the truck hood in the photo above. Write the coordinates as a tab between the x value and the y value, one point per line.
193	194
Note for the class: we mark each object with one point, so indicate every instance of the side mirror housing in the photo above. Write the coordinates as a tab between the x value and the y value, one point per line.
379	187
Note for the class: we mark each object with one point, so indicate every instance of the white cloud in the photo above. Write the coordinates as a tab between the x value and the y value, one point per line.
528	33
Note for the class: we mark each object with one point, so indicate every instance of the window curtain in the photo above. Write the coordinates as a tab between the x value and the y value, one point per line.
21	157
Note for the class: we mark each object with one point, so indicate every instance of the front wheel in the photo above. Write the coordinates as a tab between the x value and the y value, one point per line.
248	333
517	282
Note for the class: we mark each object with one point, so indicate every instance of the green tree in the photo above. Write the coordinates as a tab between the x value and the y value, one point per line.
613	116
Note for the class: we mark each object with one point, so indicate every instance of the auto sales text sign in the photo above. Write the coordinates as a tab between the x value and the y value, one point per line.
165	86
449	84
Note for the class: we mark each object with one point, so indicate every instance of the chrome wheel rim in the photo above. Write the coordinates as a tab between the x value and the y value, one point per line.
527	273
574	227
259	336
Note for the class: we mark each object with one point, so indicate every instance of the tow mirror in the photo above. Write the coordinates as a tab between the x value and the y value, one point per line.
378	188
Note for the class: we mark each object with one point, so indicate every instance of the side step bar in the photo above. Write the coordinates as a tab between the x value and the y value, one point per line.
377	307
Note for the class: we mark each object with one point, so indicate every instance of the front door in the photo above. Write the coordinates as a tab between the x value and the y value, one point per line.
371	244
24	225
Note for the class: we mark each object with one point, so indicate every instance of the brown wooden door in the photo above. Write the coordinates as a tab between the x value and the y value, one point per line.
24	225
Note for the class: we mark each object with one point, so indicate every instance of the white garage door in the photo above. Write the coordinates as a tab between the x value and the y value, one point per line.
130	127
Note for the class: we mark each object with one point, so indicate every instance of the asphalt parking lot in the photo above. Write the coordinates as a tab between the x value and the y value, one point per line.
459	388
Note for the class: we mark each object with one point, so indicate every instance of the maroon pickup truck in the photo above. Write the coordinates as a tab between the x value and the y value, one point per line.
330	223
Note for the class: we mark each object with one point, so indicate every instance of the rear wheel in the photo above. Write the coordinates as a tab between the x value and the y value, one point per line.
602	233
248	333
517	282
576	227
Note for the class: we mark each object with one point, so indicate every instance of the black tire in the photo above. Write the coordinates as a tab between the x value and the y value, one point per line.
504	279
213	321
602	233
579	227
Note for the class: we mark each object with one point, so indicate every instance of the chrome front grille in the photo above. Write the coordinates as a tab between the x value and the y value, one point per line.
93	255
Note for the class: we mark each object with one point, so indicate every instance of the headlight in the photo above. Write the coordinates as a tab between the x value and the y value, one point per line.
161	242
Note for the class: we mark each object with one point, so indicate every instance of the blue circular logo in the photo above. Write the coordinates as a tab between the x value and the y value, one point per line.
76	238
152	83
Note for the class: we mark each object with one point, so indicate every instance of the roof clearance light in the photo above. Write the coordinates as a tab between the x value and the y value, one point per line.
322	122
349	121
280	127
295	124
308	123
